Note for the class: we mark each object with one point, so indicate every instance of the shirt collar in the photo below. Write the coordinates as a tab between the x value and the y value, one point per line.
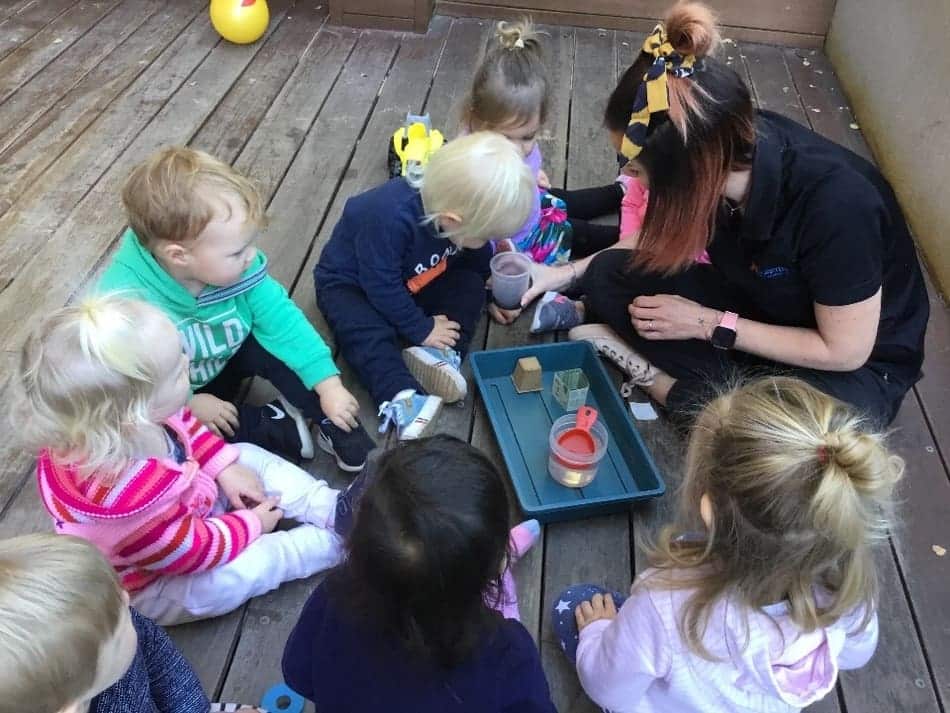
759	215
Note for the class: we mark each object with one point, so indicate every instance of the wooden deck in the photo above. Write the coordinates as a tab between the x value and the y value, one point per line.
87	89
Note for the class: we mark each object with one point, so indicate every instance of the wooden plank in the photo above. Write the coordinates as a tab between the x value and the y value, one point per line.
20	21
26	158
934	388
45	204
47	44
92	227
805	16
378	22
464	8
896	678
45	91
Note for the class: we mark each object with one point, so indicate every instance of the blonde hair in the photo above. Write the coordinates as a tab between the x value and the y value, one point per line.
800	493
175	193
85	381
60	603
483	179
510	86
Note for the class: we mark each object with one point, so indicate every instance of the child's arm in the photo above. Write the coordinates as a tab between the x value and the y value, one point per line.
284	330
618	659
298	652
859	644
212	453
172	681
525	685
379	261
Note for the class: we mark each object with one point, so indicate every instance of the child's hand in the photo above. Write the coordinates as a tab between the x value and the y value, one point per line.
599	607
339	405
503	316
218	415
268	513
543	180
240	484
444	335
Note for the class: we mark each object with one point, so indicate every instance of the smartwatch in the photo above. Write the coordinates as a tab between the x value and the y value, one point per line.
724	335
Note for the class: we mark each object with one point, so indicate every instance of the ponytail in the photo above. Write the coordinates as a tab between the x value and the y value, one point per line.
510	86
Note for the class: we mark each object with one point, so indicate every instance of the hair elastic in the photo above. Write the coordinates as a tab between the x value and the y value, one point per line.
653	95
823	456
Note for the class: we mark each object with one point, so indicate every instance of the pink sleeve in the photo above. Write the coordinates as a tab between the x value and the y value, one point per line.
213	453
617	661
633	207
181	542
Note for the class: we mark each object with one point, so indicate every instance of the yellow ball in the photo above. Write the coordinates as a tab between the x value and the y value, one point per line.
240	21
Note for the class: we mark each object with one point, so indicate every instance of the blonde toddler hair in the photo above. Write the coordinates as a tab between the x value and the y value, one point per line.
85	381
60	603
482	178
801	491
175	193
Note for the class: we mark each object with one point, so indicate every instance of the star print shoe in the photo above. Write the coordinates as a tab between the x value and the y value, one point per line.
608	343
438	370
562	614
411	414
554	312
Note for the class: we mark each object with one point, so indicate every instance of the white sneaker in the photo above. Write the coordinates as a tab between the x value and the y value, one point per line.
411	413
438	371
608	343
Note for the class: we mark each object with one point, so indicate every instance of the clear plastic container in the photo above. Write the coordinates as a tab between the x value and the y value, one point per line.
571	468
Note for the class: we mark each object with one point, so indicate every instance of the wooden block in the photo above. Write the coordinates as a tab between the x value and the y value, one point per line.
527	375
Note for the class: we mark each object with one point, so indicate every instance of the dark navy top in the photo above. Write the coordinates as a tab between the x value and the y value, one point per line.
344	668
384	245
159	680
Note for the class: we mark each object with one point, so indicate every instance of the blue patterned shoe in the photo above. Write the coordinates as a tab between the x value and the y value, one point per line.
411	413
554	312
438	370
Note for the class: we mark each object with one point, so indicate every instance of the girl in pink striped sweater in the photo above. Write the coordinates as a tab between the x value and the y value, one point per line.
186	519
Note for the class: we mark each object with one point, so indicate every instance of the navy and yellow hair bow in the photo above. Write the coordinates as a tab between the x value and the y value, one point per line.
653	94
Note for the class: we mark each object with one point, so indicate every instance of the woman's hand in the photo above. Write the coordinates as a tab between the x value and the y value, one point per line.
601	606
545	278
662	317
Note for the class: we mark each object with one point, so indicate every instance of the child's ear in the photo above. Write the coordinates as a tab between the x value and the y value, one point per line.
172	253
706	509
450	221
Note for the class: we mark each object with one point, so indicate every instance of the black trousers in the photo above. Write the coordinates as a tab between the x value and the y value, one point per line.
585	204
701	370
253	360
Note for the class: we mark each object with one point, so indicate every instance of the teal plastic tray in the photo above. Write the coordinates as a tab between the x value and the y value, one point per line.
522	422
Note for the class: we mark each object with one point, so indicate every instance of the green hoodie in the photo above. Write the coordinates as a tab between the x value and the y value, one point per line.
215	324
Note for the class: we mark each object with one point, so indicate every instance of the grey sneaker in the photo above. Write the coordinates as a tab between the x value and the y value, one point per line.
608	343
554	312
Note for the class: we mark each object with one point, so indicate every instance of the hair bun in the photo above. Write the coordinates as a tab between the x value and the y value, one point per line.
691	29
517	35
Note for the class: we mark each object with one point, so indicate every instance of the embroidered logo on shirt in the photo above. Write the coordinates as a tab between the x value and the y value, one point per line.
770	273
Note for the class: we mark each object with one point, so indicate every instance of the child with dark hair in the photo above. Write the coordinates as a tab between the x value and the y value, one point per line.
410	621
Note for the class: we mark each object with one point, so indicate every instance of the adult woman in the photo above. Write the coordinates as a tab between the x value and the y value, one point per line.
764	246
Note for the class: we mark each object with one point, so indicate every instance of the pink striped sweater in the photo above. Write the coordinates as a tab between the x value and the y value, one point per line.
156	518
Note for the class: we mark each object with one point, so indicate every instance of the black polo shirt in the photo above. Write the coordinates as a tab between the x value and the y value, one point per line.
822	225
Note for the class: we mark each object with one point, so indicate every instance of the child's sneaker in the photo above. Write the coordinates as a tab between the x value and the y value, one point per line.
554	312
349	448
522	537
410	413
608	343
438	370
283	430
349	498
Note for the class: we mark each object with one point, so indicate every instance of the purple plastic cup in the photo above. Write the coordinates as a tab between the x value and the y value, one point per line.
510	279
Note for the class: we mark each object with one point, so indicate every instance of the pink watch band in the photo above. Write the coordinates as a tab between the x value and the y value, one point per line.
729	320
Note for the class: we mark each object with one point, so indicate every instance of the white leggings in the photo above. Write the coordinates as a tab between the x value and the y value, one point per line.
268	562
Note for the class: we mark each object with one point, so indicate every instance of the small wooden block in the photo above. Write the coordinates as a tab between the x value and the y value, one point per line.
527	375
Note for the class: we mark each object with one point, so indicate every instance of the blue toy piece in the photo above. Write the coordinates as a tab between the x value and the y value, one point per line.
522	423
282	699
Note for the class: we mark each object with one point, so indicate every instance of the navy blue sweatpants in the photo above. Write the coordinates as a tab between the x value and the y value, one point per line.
373	347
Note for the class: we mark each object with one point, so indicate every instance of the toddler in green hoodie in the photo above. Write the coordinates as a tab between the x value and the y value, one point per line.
190	250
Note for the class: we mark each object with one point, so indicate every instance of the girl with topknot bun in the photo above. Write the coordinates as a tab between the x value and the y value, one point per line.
765	585
764	247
